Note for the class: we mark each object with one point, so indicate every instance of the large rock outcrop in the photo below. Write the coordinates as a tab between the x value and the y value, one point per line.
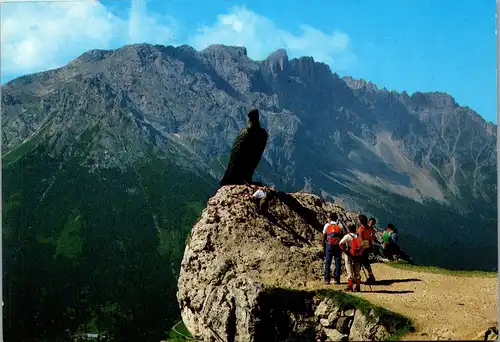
250	276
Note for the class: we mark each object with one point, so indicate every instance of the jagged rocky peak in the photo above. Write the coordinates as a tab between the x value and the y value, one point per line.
251	276
278	55
304	62
354	83
234	51
435	99
442	99
308	69
93	56
277	59
233	65
187	49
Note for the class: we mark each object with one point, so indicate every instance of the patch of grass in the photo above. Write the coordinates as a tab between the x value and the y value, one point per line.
70	241
179	333
438	270
405	329
188	238
346	301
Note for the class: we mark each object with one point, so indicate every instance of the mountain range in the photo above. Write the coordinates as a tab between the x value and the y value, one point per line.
108	161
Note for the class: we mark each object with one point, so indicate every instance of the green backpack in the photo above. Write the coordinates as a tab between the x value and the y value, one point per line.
386	238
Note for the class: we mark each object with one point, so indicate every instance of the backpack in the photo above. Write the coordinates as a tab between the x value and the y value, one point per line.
386	238
356	248
333	234
366	236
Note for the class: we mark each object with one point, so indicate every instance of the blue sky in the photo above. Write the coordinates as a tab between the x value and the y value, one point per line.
412	45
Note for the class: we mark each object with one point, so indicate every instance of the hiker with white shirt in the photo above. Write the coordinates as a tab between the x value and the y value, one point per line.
352	246
259	197
333	232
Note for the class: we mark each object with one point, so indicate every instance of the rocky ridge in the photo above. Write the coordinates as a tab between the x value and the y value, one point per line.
423	146
247	276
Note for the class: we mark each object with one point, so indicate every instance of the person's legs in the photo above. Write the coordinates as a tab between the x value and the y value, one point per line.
256	202
387	253
348	266
390	252
338	263
350	275
357	274
328	264
357	271
396	252
367	266
263	204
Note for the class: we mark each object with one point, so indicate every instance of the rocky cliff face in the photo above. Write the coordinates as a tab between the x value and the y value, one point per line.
390	154
423	146
247	276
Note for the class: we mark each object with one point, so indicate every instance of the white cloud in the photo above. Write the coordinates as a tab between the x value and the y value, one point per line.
44	35
40	36
261	36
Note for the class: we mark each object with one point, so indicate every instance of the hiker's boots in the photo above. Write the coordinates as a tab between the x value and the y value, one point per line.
350	283
358	285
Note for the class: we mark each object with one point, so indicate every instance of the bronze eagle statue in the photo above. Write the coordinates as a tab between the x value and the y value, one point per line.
246	152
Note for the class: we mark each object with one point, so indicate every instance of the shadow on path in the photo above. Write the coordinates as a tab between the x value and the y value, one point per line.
394	281
385	291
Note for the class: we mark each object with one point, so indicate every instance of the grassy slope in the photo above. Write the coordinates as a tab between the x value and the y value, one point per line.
438	270
82	250
179	333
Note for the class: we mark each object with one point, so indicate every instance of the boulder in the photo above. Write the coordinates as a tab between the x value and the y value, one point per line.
367	328
335	335
250	276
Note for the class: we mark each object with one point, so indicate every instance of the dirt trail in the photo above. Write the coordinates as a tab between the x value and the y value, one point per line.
442	307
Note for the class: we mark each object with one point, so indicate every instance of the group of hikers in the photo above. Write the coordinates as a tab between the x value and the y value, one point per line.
355	246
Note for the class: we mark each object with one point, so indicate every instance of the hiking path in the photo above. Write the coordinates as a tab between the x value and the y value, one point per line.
441	306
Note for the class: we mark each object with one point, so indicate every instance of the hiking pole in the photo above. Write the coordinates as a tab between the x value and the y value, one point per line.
367	282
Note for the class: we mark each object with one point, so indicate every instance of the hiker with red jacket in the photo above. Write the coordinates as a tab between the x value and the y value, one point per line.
367	234
371	223
352	246
333	231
